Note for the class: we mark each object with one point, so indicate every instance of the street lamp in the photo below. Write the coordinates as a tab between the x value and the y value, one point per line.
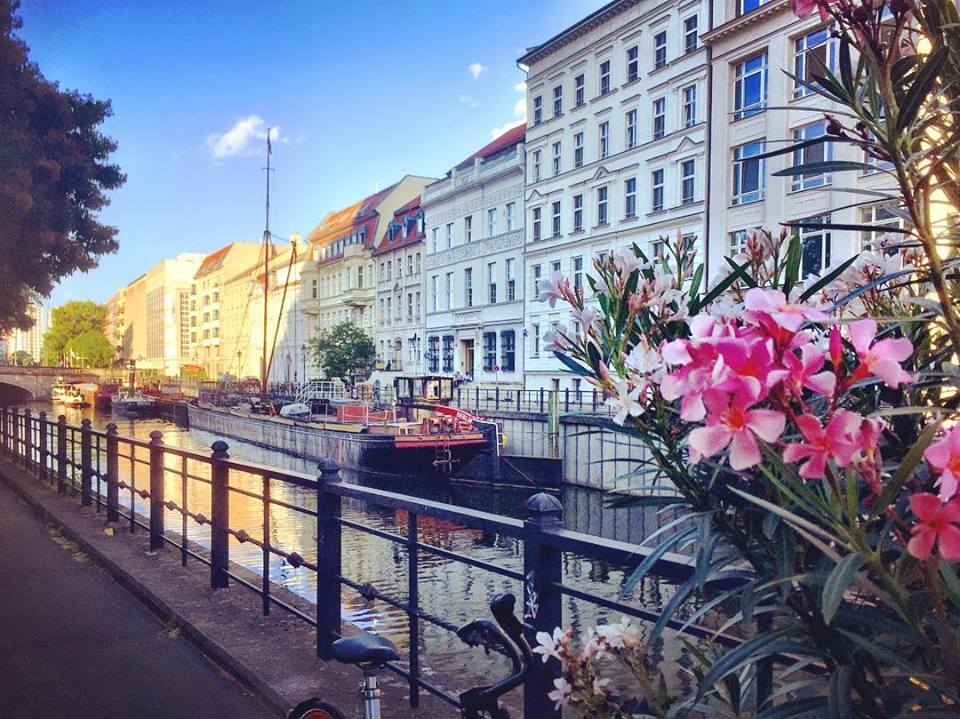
303	357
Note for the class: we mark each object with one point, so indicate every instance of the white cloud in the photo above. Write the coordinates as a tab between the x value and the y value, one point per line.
476	69
244	138
468	100
520	109
520	87
497	131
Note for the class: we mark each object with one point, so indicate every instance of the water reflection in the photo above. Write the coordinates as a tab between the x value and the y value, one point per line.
453	591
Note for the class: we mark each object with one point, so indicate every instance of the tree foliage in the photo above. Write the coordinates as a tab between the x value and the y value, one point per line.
344	351
89	349
54	172
22	358
68	322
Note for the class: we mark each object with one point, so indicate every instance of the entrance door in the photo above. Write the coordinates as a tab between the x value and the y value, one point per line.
466	348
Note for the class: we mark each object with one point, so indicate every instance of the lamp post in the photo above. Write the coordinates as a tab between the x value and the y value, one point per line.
303	357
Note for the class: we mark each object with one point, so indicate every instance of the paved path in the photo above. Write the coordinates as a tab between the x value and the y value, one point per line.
75	645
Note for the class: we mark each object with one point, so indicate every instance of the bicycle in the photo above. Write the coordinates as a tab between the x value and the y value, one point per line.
372	653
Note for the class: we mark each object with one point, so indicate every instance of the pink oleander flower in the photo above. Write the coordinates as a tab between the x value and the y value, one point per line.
803	8
881	359
557	340
944	458
626	261
626	402
936	526
804	371
645	361
586	317
561	694
773	303
731	421
837	442
752	366
556	288
549	645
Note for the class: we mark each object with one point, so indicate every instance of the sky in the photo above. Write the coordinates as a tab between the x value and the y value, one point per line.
359	93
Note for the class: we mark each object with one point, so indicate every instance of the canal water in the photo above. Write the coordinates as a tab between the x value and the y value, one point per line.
452	590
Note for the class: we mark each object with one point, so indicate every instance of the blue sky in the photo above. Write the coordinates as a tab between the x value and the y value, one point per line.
362	93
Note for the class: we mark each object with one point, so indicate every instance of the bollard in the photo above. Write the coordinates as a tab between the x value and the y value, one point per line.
328	559
156	490
27	438
61	454
42	438
413	608
113	474
542	605
220	516
86	465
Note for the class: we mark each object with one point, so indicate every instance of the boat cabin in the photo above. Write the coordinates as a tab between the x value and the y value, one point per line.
433	389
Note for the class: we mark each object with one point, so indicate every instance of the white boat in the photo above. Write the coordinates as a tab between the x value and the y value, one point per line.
132	402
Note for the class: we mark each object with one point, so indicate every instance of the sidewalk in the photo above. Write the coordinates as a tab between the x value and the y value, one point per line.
74	643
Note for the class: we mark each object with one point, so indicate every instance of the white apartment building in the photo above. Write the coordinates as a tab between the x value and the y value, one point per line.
398	333
751	44
616	150
474	257
29	340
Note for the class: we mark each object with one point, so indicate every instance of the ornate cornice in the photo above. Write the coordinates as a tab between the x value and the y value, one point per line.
574	32
744	21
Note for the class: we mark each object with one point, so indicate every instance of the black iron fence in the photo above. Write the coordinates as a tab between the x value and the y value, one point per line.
101	468
536	401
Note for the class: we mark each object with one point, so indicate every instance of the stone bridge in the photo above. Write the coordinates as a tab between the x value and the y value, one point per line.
25	384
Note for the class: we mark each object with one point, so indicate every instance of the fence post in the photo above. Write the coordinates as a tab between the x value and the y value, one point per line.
42	437
519	393
113	474
3	428
328	559
541	400
61	454
15	434
156	490
566	400
496	397
27	438
542	605
86	465
220	516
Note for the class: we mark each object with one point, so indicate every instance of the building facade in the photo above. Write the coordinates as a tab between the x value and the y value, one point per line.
29	340
398	259
616	151
757	107
338	284
473	273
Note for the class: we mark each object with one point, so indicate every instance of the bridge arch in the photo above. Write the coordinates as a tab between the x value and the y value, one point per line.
12	392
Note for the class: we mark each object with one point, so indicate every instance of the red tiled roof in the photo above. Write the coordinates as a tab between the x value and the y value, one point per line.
411	209
511	137
213	261
338	223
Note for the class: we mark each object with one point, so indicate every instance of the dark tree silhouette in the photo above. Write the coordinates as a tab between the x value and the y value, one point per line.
54	173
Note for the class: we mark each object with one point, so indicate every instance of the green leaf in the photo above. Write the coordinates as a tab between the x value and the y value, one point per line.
747	279
719	289
815	168
837	583
951	581
647	564
827	279
791	274
804	707
921	87
573	365
751	650
840	690
906	468
846	226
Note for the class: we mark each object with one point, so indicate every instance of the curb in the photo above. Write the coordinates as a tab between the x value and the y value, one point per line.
210	648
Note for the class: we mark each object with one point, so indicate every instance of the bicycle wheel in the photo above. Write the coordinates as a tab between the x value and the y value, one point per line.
314	709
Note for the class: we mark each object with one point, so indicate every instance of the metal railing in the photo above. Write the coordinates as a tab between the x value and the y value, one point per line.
101	467
534	401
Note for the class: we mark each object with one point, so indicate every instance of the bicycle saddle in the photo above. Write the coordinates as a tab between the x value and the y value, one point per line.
364	649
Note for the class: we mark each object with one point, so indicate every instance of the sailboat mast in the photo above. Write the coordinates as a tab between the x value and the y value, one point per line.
266	279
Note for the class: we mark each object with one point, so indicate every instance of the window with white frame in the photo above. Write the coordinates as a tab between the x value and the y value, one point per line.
736	243
882	218
577	213
555	266
511	215
630	197
817	152
660	49
602	205
814	51
508	352
816	245
556	159
511	279
690	39
492	283
745	6
535	339
448	289
556	218
578	99
449	239
536	166
750	86
578	150
468	287
748	169
690	106
633	63
656	190
535	274
436	240
604	77
468	228
434	293
578	273
489	351
491	222
537	110
631	129
688	172
604	131
536	223
558	100
659	117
